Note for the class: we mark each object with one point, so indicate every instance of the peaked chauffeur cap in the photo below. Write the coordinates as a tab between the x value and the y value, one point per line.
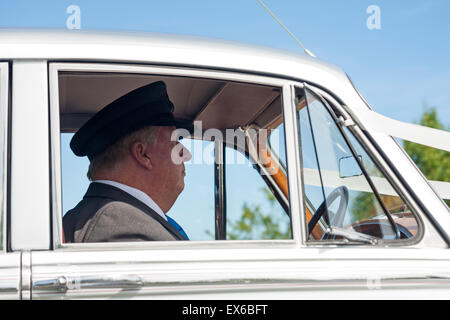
145	106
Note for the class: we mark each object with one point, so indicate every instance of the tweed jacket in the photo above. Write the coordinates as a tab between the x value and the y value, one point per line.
107	214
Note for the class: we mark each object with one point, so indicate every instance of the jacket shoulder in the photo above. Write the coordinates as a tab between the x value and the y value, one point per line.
120	221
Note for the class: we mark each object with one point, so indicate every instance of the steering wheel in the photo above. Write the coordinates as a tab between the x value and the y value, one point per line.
338	219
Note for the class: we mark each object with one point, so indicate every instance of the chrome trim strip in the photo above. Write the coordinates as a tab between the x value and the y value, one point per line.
168	71
220	192
55	156
109	285
178	245
295	186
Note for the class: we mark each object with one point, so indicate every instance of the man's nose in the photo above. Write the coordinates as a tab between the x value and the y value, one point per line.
185	154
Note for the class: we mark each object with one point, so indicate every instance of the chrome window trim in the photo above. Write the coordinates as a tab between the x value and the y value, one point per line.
55	156
4	116
55	153
220	192
178	245
293	162
167	71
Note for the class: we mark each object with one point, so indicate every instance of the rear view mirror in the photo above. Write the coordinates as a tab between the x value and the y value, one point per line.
348	167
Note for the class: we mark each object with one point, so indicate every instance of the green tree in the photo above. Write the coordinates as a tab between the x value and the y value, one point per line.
254	224
257	225
434	163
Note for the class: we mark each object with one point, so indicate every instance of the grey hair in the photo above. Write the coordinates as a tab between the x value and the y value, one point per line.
114	154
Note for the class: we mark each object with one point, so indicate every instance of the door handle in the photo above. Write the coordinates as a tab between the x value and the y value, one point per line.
58	284
65	283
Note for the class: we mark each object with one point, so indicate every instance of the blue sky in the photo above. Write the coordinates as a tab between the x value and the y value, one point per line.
398	69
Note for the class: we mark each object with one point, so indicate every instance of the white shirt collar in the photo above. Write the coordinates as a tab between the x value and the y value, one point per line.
138	194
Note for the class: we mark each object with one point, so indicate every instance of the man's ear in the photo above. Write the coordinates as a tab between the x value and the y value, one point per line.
141	154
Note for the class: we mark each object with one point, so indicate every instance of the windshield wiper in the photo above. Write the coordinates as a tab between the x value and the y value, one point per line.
352	235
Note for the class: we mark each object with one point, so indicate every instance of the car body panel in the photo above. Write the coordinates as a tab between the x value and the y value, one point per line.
10	276
277	273
29	222
207	270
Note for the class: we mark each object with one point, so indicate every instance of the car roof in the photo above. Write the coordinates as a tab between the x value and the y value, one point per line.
175	50
58	44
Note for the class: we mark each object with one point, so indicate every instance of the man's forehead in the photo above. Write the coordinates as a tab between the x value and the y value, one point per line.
164	130
168	131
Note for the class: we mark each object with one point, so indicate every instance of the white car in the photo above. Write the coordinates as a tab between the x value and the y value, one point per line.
345	213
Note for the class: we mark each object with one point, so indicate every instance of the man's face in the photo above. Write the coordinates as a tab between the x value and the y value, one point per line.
168	159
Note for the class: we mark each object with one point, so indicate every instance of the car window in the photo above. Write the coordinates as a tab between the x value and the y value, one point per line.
346	194
218	105
3	148
197	196
74	181
194	208
276	144
253	210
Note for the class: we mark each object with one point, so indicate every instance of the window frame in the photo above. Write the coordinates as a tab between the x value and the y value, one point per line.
340	111
55	153
4	146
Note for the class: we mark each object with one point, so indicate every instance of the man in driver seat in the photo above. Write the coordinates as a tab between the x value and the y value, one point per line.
135	178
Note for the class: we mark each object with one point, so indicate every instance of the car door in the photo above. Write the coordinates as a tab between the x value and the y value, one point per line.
294	266
10	262
201	268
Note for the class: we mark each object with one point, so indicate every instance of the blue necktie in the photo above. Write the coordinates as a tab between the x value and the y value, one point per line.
177	226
